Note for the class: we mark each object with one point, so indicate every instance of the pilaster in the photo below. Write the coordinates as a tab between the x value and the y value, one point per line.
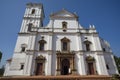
28	64
100	64
49	63
81	65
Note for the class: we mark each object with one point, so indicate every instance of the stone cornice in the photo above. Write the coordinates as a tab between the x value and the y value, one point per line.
70	33
81	52
66	29
21	33
39	51
34	5
92	52
28	33
31	17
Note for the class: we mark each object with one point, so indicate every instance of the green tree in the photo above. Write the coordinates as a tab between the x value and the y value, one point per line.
2	69
117	60
0	55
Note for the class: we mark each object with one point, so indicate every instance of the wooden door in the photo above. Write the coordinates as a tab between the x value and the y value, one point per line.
91	68
65	67
39	69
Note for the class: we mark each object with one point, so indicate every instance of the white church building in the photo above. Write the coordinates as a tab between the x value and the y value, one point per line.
63	47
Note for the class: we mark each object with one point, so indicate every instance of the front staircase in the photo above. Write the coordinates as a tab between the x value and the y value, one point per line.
68	77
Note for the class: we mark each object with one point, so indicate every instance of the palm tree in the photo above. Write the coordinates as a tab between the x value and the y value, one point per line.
0	55
117	60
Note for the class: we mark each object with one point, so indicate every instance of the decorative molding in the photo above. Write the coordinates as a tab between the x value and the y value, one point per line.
90	58
28	5
40	58
30	16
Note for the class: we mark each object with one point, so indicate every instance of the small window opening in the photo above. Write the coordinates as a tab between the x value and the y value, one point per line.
22	66
88	47
107	66
29	26
33	11
41	46
23	49
104	49
64	25
64	46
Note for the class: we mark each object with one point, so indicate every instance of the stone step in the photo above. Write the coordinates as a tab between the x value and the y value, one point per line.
92	77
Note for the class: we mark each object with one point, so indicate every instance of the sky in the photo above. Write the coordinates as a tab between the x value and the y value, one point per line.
104	14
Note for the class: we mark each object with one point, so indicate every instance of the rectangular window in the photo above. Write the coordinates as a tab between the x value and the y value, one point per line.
64	25
23	49
33	11
104	49
64	46
107	66
87	47
41	46
30	26
22	66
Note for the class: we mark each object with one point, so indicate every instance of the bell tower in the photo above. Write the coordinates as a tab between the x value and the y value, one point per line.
33	17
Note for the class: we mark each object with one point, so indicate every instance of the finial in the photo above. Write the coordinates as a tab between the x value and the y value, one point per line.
90	26
93	26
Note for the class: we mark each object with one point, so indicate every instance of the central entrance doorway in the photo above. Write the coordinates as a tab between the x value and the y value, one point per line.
65	65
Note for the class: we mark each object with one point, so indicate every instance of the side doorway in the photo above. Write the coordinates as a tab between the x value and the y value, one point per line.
91	67
39	70
40	65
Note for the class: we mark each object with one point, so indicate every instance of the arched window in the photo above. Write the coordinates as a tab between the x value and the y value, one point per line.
30	26
87	45
42	45
64	25
33	11
65	44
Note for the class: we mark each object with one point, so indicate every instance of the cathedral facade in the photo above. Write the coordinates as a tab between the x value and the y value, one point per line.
63	47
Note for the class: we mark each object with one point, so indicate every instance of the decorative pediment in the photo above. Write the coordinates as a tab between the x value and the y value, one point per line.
42	41
90	58
40	58
63	14
87	42
24	45
65	39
